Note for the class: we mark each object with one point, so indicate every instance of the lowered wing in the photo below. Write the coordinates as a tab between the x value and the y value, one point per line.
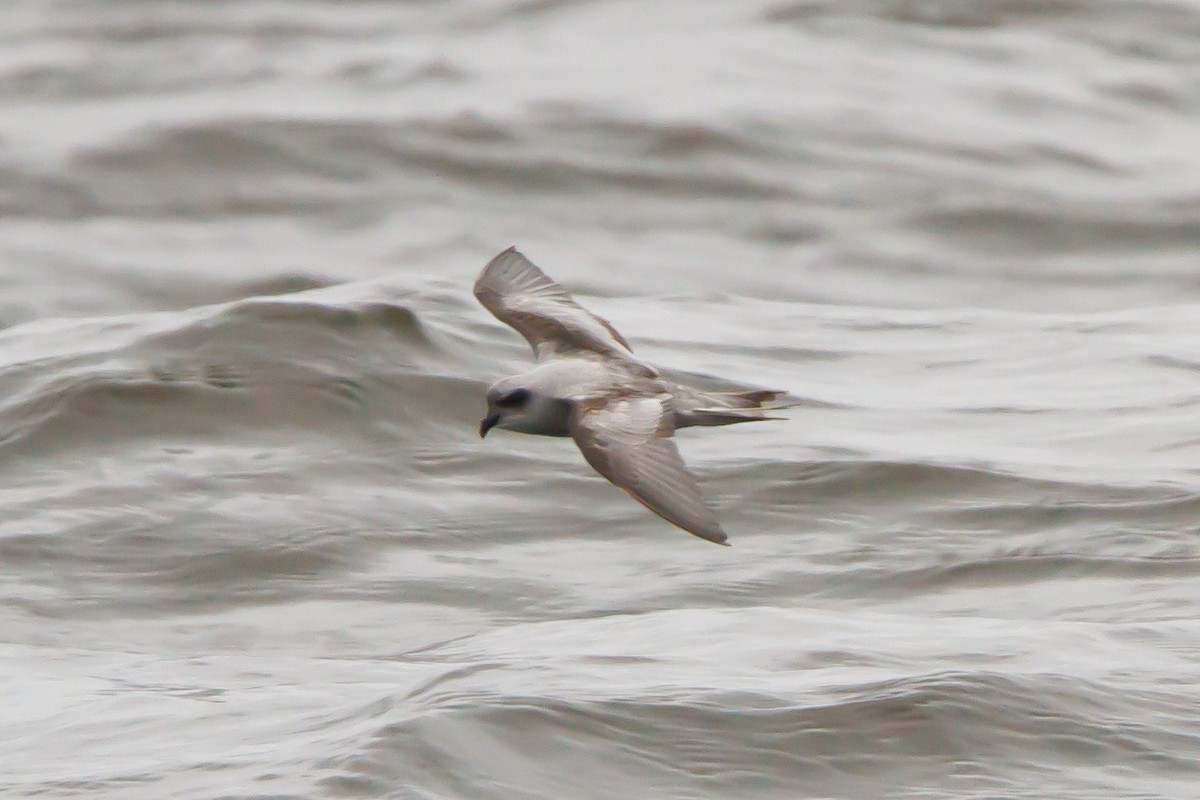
629	441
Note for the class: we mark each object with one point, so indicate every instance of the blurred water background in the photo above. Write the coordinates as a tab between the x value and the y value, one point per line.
252	546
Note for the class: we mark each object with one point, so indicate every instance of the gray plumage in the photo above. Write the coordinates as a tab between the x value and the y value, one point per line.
588	385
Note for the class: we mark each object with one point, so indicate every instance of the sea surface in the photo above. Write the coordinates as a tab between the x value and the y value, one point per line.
251	545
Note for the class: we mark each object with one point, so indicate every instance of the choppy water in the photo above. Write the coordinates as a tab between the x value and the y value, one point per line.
251	545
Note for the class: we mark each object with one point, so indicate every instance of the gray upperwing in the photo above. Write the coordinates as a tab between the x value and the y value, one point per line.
628	440
522	296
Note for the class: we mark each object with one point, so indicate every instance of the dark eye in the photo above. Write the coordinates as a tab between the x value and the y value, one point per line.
514	399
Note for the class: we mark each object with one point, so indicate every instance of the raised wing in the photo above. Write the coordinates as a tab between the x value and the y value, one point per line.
628	440
519	294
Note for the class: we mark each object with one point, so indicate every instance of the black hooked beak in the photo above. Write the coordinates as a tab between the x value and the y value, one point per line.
488	423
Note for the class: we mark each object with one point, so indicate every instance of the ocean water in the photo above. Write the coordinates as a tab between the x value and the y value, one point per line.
251	545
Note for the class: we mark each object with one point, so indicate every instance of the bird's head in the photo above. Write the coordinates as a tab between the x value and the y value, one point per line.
513	407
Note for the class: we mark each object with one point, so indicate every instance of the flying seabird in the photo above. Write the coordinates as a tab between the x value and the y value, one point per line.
588	385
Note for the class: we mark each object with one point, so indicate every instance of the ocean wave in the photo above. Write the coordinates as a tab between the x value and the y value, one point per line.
310	168
1168	17
213	372
980	731
244	505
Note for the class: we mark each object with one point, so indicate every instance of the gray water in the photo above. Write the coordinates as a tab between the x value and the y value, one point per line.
252	546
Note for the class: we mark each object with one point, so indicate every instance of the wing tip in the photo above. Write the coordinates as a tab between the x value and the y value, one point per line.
481	287
714	535
496	262
511	250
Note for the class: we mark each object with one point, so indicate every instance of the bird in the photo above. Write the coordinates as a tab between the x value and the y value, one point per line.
588	385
